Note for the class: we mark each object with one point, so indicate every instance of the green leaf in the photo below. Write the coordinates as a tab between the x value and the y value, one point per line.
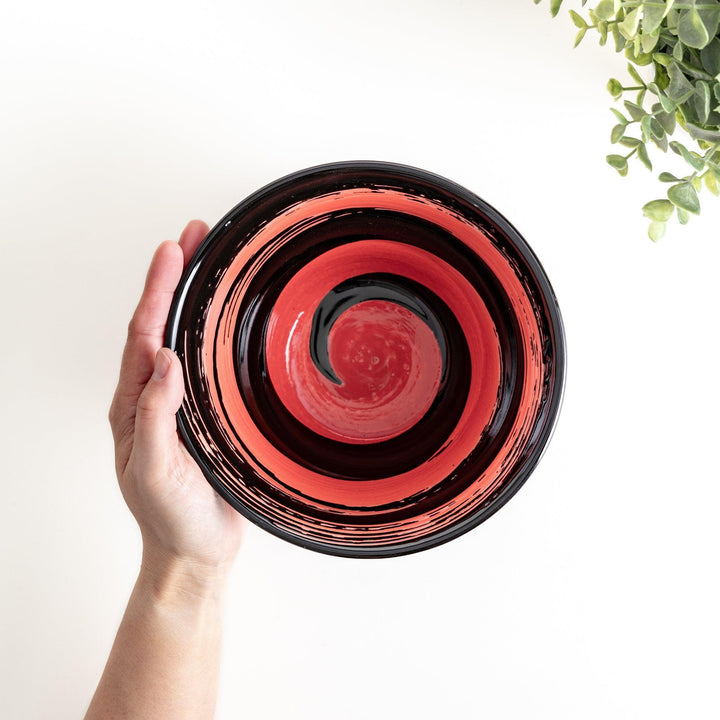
618	38
678	51
661	142
656	129
635	75
684	196
696	183
642	153
602	28
699	133
702	91
667	120
555	7
635	111
645	127
648	41
615	88
692	159
710	57
710	16
656	230
711	182
653	14
691	29
579	37
639	58
618	162
680	88
660	210
628	27
662	59
578	20
630	142
667	104
683	216
605	10
668	177
620	117
694	71
617	133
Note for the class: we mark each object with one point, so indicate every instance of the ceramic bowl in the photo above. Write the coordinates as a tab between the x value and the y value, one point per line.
374	359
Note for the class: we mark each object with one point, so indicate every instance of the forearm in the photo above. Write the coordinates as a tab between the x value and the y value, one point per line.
166	656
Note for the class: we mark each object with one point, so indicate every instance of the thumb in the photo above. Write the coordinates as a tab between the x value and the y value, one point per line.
155	423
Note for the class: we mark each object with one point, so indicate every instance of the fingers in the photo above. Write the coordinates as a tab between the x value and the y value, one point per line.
147	327
193	234
155	425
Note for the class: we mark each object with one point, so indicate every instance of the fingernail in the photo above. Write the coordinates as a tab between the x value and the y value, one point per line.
162	365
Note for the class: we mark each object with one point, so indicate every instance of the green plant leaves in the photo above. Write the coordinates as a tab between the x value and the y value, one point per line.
605	10
679	41
615	88
683	216
619	162
578	20
653	14
635	75
711	182
699	133
680	88
684	196
710	57
656	230
620	117
635	111
667	121
710	15
660	210
628	27
642	153
702	101
692	159
691	29
617	132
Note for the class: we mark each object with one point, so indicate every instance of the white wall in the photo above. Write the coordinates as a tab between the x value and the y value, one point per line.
593	594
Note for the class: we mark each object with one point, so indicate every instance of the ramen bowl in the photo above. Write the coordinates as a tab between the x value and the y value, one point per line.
374	359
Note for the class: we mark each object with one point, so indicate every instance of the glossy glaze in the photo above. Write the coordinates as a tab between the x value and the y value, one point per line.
374	359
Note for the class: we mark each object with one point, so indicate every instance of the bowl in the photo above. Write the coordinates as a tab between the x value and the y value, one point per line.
374	359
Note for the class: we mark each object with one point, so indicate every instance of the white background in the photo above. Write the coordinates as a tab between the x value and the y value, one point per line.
593	594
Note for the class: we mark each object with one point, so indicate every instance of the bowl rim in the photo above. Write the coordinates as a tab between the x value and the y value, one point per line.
541	438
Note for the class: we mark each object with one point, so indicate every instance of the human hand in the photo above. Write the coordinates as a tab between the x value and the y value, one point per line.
186	526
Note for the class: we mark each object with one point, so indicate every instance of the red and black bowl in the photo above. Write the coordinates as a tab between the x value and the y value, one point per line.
374	359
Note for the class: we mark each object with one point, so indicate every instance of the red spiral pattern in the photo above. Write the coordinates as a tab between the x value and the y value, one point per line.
389	366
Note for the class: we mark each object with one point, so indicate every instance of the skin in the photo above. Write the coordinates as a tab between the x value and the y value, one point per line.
166	656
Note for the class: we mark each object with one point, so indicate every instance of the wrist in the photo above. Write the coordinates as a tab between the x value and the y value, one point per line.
175	578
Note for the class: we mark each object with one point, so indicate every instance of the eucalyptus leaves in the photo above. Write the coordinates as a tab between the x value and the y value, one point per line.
679	40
